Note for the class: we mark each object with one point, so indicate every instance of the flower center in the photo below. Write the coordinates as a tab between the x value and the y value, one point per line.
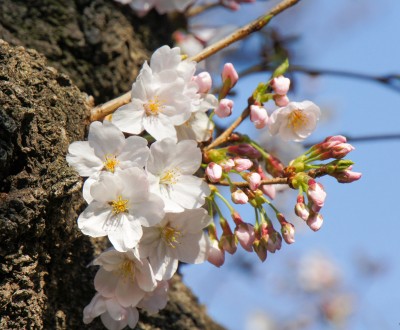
170	236
119	205
297	119
171	176
153	107
127	270
110	163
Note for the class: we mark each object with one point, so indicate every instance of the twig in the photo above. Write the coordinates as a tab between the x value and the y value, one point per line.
109	107
193	11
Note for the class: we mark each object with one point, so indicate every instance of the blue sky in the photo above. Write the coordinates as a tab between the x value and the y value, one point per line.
360	218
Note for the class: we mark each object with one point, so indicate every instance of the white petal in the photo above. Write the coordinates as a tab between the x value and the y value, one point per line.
81	156
165	58
126	234
86	188
149	212
128	293
193	248
92	220
190	221
145	277
112	324
106	188
105	138
134	153
190	192
96	307
133	317
105	282
129	117
159	127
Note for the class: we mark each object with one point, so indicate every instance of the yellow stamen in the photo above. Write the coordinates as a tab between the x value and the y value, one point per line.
170	236
110	163
127	270
297	119
119	205
153	107
171	176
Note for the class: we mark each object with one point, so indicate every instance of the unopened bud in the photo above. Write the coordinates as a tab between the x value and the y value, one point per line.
347	176
224	108
287	230
204	81
242	164
229	74
239	197
228	243
259	116
316	193
274	242
227	164
280	85
216	256
214	172
254	180
302	211
260	248
341	150
281	100
245	235
244	149
315	221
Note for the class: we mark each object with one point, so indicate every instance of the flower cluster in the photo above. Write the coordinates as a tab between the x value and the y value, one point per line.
142	7
148	203
148	198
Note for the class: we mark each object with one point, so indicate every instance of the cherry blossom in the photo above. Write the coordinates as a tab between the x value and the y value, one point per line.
170	169
123	275
142	7
296	121
121	205
112	314
178	237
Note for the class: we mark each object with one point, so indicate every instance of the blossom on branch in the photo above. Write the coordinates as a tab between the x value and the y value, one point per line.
142	7
122	204
296	121
170	169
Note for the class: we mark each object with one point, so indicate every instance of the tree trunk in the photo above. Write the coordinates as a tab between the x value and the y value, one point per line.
44	279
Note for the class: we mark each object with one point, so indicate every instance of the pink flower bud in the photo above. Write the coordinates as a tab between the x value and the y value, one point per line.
302	211
228	242
259	116
224	108
315	221
347	176
341	150
242	164
260	248
254	180
245	235
214	172
216	256
274	242
227	164
204	81
239	197
287	231
244	149
281	100
280	85
229	72
336	138
316	193
269	190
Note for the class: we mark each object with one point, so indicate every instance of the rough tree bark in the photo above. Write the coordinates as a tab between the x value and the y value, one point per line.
44	281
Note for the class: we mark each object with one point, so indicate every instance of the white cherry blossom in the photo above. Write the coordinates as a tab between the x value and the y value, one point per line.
122	204
112	314
106	150
123	275
296	121
155	300
170	169
163	96
178	237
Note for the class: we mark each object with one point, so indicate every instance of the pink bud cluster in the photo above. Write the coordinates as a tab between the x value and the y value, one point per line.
234	4
267	239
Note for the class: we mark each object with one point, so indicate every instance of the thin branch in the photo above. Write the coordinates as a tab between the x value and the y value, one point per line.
226	134
109	107
193	11
387	80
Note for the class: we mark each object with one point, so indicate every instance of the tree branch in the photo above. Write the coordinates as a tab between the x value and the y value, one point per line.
109	107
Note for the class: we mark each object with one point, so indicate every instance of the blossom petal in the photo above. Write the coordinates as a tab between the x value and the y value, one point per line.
105	138
193	248
81	156
190	191
129	117
105	282
92	220
126	235
128	293
134	153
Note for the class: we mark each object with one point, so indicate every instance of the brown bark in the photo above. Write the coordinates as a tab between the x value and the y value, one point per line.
44	281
